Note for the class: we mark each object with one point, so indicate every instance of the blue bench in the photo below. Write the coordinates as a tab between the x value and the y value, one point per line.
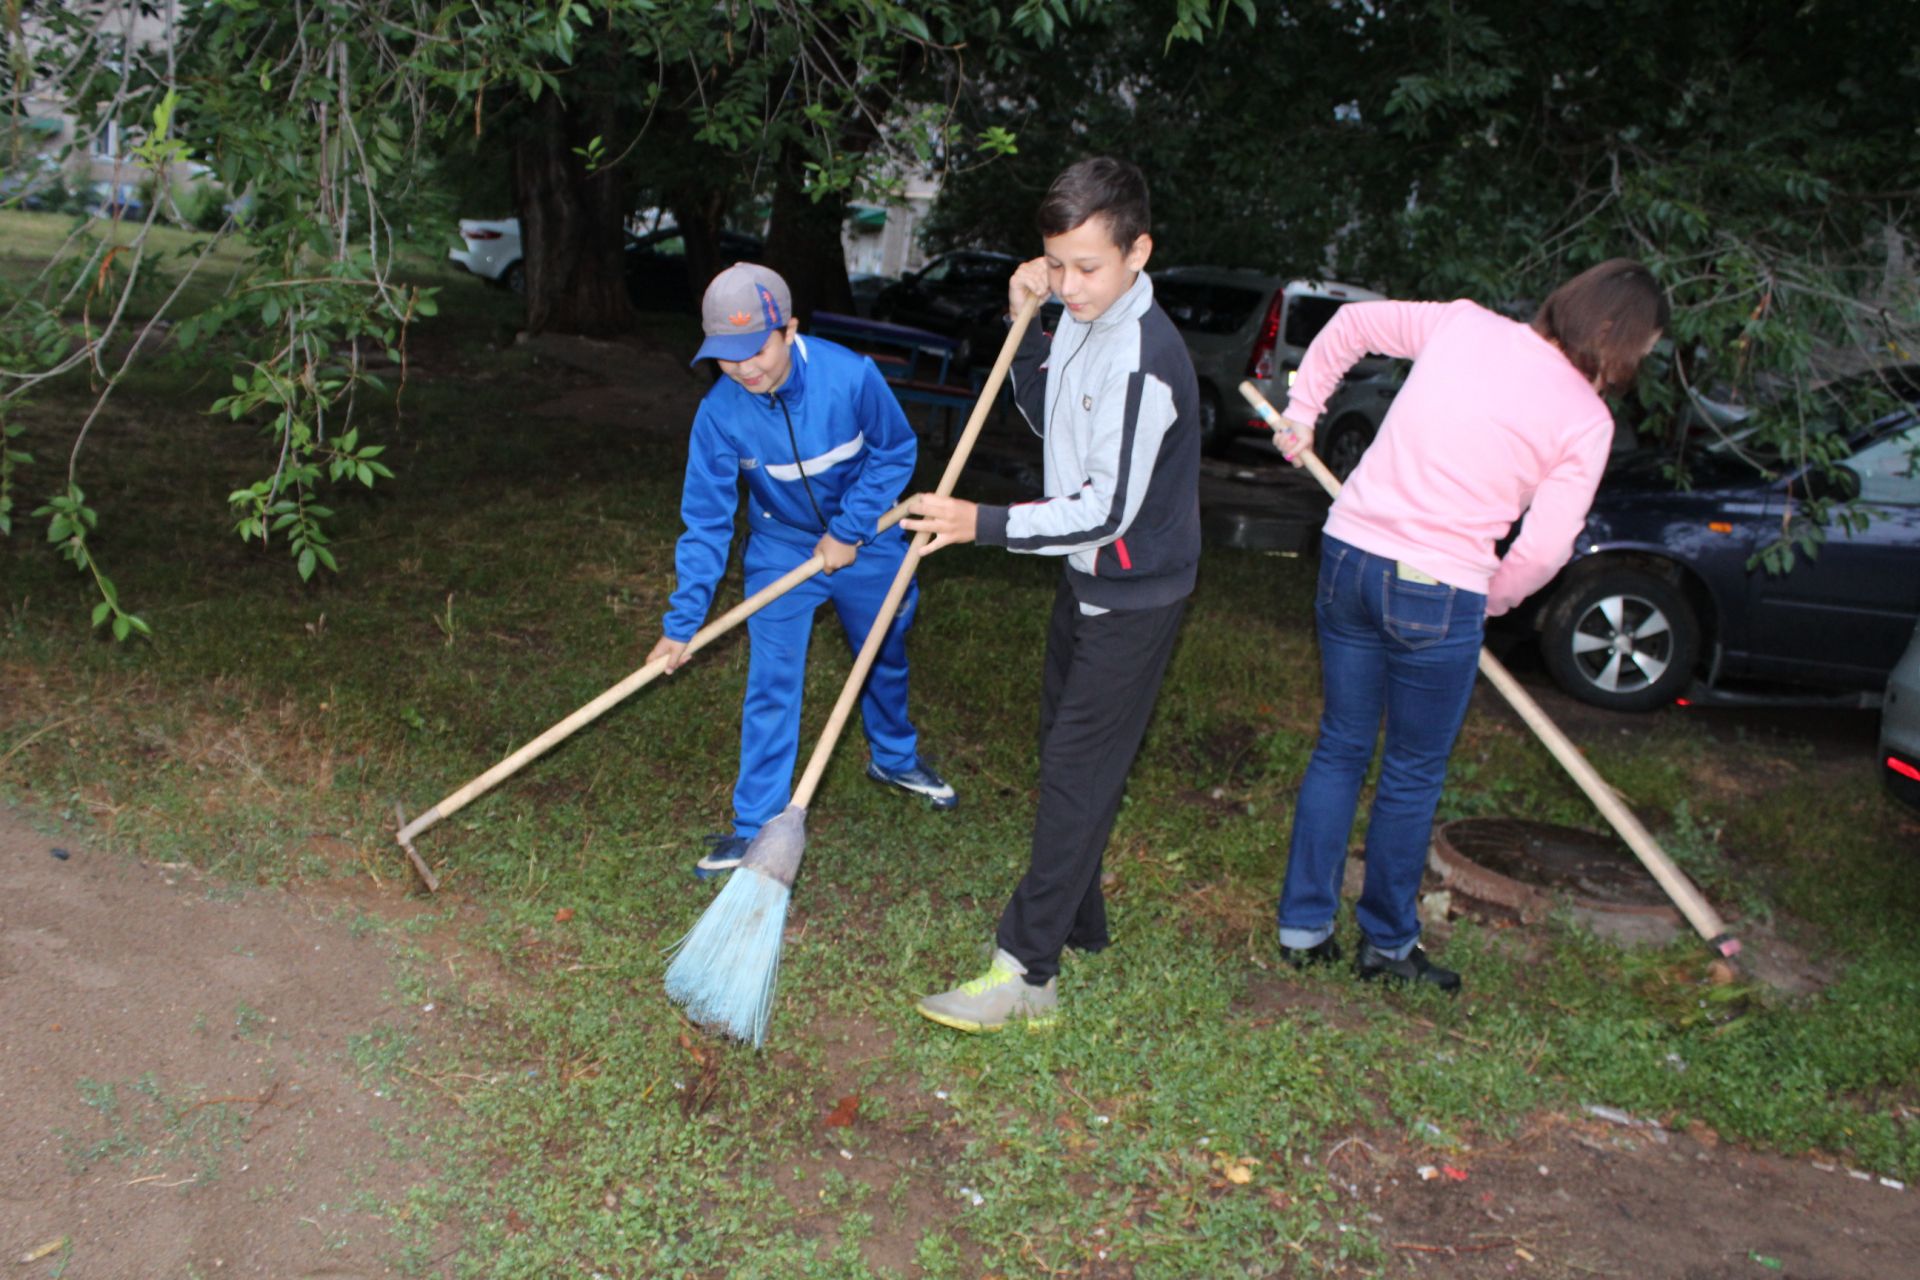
917	363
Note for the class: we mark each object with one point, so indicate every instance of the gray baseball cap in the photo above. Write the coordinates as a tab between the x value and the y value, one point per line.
743	304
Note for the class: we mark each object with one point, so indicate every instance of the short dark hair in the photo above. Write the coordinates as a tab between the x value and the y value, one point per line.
1100	187
1603	320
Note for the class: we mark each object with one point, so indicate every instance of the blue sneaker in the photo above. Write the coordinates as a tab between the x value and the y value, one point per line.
918	779
723	855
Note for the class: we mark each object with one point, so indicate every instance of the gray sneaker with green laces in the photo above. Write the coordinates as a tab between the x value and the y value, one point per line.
997	997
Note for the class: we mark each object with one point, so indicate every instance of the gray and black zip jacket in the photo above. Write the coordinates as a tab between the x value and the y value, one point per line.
1118	406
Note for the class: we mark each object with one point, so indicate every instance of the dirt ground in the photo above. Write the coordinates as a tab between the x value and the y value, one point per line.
182	1095
1580	1196
179	1089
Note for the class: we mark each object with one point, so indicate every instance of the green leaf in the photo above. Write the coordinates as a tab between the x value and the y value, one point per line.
306	563
101	612
163	112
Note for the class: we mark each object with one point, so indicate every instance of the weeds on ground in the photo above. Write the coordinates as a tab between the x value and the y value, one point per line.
147	1122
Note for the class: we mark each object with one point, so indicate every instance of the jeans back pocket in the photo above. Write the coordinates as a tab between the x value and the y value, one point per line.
1415	614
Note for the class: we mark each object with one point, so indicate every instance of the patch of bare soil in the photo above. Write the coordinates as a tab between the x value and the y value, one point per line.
893	1136
1581	1197
178	1078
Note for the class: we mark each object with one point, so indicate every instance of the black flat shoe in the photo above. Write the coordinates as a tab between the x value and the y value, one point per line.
1372	963
1325	951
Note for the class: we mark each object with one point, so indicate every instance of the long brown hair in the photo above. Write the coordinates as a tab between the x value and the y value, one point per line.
1604	319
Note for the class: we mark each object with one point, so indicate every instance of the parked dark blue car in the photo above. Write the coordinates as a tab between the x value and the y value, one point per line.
1660	593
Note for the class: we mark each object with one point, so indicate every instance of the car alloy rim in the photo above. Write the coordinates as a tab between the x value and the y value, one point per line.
1623	643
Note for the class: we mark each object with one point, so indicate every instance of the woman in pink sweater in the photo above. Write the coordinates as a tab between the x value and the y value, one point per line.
1497	419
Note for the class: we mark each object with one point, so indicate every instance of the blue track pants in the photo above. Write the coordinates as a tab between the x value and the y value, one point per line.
777	668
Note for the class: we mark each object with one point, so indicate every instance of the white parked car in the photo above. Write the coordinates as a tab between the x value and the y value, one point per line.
492	251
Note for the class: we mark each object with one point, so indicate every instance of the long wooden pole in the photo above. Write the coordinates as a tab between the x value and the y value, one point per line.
877	634
1698	911
479	786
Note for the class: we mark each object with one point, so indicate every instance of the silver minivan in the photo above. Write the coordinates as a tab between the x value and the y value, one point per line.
1243	324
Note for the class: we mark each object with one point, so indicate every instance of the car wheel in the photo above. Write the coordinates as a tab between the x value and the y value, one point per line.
1213	439
515	278
1341	445
1622	639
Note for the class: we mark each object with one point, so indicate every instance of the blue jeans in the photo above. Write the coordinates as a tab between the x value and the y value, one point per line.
1407	650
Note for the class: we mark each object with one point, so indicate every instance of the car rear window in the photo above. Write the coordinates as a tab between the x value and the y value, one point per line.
1307	316
1207	308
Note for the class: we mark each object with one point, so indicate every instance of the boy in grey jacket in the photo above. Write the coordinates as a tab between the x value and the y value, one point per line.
1113	395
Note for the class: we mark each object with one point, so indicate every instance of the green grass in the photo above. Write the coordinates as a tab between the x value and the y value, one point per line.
63	246
37	237
519	564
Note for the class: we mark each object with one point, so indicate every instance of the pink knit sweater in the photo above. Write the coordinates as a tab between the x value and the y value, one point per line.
1493	421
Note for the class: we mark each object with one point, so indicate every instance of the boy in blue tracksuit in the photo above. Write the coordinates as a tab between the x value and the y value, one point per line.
826	451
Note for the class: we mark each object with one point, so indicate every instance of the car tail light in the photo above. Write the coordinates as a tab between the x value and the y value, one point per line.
1902	768
1260	363
479	233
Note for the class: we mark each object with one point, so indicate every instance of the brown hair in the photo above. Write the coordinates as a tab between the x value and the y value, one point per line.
1603	320
1101	187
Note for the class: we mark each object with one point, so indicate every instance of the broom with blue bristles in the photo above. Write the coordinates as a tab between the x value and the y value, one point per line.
724	970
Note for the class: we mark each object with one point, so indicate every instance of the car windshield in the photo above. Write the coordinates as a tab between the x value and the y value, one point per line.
1206	308
1724	443
980	270
1740	457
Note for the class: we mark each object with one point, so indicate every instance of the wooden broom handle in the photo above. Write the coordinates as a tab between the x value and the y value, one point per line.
877	634
594	709
1698	911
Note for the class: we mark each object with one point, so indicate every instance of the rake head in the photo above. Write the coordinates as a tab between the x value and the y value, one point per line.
420	866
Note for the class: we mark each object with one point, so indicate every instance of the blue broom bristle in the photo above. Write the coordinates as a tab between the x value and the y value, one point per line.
725	968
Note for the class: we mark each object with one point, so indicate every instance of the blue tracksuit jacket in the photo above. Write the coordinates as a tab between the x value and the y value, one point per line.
856	452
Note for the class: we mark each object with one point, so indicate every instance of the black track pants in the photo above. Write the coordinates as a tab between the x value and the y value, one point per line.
1101	677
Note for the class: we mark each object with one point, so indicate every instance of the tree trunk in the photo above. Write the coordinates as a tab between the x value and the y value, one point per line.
699	214
572	223
804	246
